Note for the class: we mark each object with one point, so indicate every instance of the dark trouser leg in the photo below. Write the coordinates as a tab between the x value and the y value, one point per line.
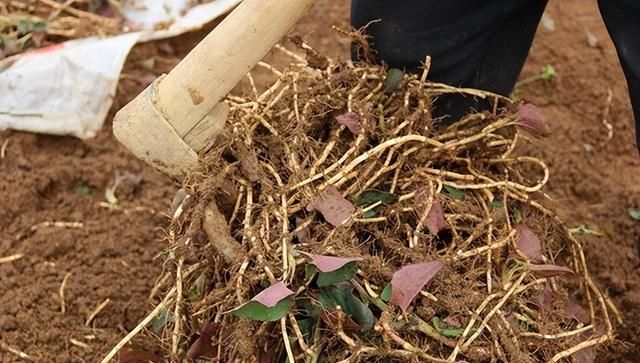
622	18
479	44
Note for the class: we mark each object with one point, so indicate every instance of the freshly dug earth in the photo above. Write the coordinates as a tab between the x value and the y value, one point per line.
592	187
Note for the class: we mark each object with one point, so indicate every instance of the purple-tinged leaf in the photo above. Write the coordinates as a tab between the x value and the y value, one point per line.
551	270
272	295
409	280
269	305
333	206
575	311
586	355
330	263
531	118
435	220
529	243
352	121
202	347
546	298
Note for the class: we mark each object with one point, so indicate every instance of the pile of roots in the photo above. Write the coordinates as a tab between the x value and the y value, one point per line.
28	24
337	221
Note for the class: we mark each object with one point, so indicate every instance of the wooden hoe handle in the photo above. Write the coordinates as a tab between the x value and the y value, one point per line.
181	113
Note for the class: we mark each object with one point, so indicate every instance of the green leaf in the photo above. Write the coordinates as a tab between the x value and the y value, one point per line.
496	204
582	229
256	311
310	307
369	197
446	331
346	272
548	72
454	193
371	213
23	26
634	214
197	288
392	80
309	271
306	327
342	295
83	190
385	295
164	317
517	215
39	26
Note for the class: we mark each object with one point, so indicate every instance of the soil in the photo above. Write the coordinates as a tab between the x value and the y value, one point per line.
112	253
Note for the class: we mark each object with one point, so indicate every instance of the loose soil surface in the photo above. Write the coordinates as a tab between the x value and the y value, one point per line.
110	253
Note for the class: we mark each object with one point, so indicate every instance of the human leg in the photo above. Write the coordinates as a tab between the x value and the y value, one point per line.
478	44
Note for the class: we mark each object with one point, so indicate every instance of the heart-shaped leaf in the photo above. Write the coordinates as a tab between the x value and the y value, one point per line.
269	305
435	220
334	269
369	197
551	270
409	280
256	311
344	273
530	118
333	206
529	243
272	295
330	263
202	347
352	121
342	295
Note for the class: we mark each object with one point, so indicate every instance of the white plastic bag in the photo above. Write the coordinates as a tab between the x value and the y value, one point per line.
68	89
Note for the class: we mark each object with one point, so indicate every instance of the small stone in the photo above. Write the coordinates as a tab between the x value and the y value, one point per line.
588	147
